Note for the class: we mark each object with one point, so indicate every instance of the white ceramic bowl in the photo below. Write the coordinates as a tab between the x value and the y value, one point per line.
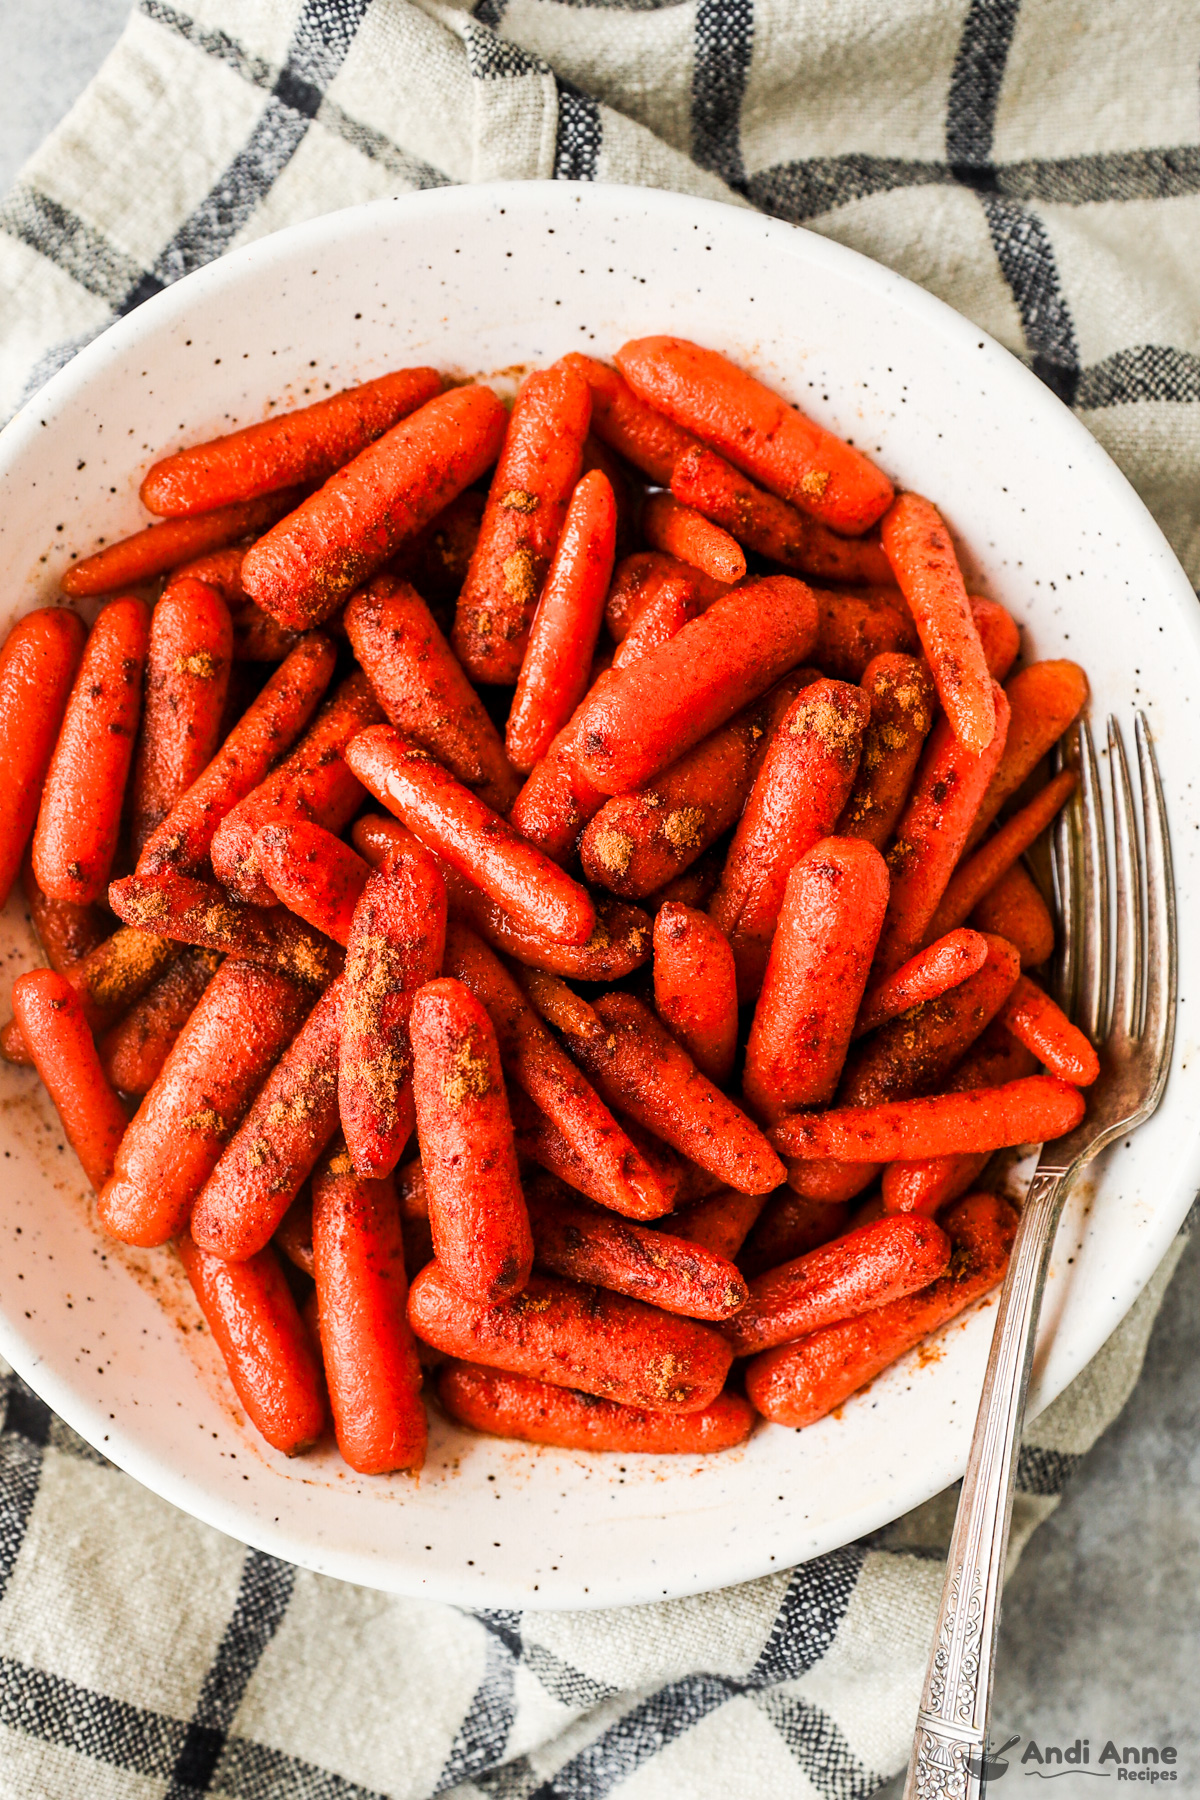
481	280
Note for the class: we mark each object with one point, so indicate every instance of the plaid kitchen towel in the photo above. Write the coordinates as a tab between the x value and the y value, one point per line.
1035	164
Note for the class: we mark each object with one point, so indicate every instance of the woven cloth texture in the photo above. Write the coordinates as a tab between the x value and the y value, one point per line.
1036	165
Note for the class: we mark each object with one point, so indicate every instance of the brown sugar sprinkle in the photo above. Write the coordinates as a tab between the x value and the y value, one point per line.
520	574
128	957
662	1373
200	663
836	730
339	1163
814	483
467	1077
207	1121
519	500
614	850
683	828
531	1303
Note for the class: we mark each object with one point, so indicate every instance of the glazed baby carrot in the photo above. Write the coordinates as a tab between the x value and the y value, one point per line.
853	631
695	886
222	569
303	568
639	580
683	532
202	913
577	1337
829	1182
268	728
47	1009
37	672
637	1066
271	1362
312	784
540	462
639	433
791	1225
942	965
800	1383
108	980
540	1141
313	873
764	523
1014	909
903	699
66	932
637	842
648	715
515	1406
133	1051
999	634
802	785
1035	1021
423	691
580	1241
757	430
562	637
366	1342
869	1267
160	548
555	803
258	638
950	782
476	841
834	902
721	1222
294	1237
919	549
533	1059
477	1211
187	679
978	874
675	606
302	446
1032	1111
695	988
219	1060
79	818
437	558
396	944
278	1143
1043	700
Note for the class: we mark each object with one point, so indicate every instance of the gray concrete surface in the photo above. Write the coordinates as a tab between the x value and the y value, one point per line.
1101	1632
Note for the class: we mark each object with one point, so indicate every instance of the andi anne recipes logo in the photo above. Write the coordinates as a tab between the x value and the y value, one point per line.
1146	1763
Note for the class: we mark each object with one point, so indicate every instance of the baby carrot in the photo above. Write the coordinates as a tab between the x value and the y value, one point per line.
535	1061
639	580
942	965
562	638
950	783
834	902
187	679
436	559
302	446
757	430
515	1406
160	548
789	1226
764	523
278	1143
312	784
641	435
294	1236
219	1059
366	1342
258	638
481	1234
540	462
867	1268
66	932
1014	909
637	1066
919	549
313	873
79	818
658	622
695	886
721	1222
38	665
1032	1111
108	980
903	700
423	691
580	1241
555	803
800	1383
133	1051
267	730
648	715
304	568
1035	1021
222	569
695	988
802	784
539	1140
396	944
1043	699
999	634
255	1324
47	1009
828	1182
577	1337
202	913
476	841
853	632
683	532
978	874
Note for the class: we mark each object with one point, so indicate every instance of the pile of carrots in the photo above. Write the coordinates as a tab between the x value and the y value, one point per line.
550	885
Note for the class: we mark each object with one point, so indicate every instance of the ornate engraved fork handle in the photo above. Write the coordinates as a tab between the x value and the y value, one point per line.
950	1738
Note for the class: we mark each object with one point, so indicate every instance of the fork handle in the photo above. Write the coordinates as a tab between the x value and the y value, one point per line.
951	1734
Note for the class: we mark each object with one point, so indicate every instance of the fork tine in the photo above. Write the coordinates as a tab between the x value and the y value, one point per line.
1130	943
1093	1009
1066	855
1159	1029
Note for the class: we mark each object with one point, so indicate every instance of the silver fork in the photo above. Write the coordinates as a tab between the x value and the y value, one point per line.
1116	977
